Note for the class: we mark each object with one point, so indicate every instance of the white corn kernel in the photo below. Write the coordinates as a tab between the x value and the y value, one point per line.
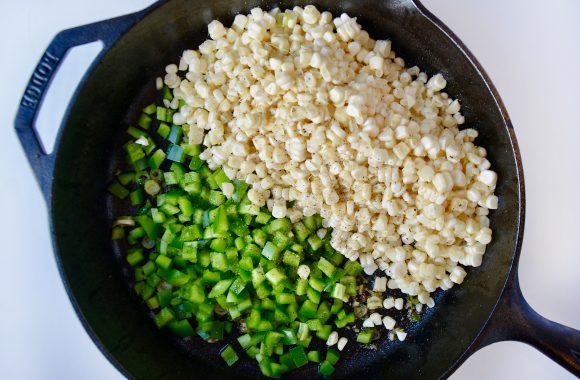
491	202
401	335
375	318
389	303
376	63
216	30
310	14
484	236
368	323
303	271
380	284
279	210
342	343
171	69
371	268
489	177
388	322
332	339
430	302
399	304
401	150
457	274
436	83
440	183
228	189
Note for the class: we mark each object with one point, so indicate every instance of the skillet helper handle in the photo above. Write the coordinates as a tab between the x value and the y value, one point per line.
514	319
108	32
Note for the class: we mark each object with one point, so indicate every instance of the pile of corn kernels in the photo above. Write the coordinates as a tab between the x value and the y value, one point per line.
321	119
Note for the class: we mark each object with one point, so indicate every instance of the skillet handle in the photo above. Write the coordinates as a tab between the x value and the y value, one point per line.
514	319
108	32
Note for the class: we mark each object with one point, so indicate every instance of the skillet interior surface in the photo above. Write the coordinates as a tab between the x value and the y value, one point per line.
122	82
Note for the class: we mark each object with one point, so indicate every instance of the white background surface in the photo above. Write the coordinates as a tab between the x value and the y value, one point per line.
532	54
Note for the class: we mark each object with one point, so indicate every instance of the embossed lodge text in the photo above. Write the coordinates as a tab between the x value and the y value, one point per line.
39	80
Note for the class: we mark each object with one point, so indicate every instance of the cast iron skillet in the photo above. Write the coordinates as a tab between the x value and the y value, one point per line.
487	308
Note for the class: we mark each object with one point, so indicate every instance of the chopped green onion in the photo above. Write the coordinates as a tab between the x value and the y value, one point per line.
326	369
299	356
270	251
229	355
167	94
156	159
161	114
135	152
164	317
135	257
117	233
150	109
175	153
126	178
365	336
118	190
314	356
152	187
326	267
332	356
163	130
175	134
136	132
144	121
181	328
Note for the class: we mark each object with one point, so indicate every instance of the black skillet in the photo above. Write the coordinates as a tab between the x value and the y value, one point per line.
487	308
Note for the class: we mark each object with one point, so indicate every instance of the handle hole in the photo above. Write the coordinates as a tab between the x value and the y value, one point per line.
67	78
